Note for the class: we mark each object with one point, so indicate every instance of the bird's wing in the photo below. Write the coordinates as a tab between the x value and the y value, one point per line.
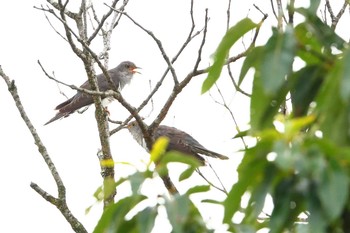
64	103
102	82
78	101
177	141
194	147
81	99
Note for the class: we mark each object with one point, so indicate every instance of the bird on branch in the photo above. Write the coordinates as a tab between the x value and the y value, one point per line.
120	75
178	141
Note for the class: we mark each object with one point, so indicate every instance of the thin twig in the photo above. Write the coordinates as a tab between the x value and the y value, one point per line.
178	88
225	105
211	183
100	25
158	42
335	18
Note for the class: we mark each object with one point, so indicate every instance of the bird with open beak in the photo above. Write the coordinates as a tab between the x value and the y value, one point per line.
120	75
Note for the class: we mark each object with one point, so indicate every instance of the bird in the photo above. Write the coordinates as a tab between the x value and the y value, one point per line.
178	141
120	75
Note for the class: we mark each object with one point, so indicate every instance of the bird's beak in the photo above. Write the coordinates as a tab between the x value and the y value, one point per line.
128	126
134	70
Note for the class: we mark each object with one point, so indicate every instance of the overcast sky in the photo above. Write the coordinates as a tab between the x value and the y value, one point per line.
72	143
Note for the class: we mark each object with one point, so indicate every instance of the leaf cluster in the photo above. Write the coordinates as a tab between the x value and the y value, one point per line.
300	159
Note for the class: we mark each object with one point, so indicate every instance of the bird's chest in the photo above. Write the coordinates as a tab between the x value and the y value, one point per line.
106	101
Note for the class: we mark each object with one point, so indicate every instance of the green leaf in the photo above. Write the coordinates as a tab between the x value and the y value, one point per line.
335	120
98	194
333	190
263	107
317	221
287	155
146	219
137	179
233	201
253	59
184	216
282	198
250	175
178	210
175	156
345	76
314	4
241	134
305	85
312	52
241	228
129	226
186	174
114	216
198	189
259	102
258	195
324	34
295	125
211	201
221	53
277	60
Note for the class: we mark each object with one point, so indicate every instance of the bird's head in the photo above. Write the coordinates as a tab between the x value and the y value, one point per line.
129	67
136	133
125	72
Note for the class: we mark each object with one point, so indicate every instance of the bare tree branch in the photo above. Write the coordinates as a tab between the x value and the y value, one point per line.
88	57
100	25
335	18
59	202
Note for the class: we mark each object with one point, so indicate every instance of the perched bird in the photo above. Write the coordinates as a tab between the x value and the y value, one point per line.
178	141
120	75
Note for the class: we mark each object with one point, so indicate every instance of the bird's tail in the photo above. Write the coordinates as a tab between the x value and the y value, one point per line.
210	153
59	115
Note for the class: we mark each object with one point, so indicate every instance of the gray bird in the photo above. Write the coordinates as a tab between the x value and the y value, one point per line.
178	141
120	75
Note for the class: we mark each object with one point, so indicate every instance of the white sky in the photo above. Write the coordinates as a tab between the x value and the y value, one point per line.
73	142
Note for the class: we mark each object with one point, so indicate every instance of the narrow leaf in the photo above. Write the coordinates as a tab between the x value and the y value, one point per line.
253	59
146	219
320	30
174	156
113	217
186	174
345	77
221	53
277	60
198	189
333	190
305	85
178	211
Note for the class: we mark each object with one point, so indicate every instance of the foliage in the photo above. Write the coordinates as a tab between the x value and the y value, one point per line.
303	165
182	214
301	160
